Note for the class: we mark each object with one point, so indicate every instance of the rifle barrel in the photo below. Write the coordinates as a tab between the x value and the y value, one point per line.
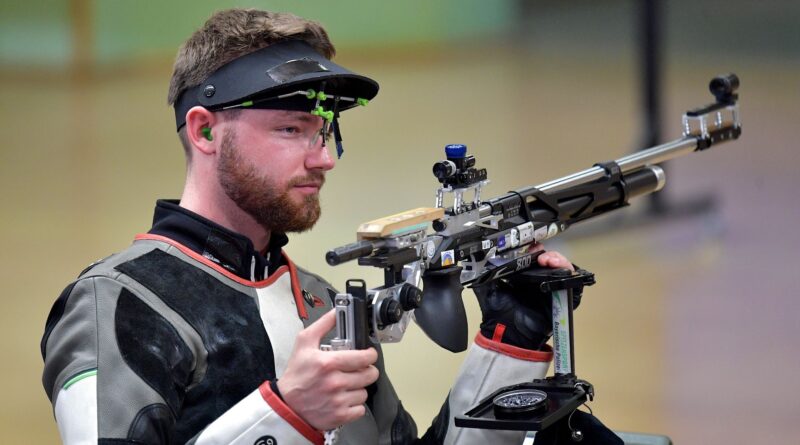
627	164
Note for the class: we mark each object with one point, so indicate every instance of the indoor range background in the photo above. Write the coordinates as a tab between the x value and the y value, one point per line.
692	328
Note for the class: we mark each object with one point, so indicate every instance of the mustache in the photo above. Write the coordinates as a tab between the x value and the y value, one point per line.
314	177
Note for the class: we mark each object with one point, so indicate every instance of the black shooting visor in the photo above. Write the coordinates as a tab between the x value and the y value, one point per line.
278	69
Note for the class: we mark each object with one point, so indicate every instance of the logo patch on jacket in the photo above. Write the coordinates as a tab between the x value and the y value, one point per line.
265	440
312	300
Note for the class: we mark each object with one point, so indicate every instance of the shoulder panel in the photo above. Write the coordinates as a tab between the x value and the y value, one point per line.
56	312
239	352
152	348
152	424
69	346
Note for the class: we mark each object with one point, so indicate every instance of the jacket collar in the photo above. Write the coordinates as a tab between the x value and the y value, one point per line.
229	249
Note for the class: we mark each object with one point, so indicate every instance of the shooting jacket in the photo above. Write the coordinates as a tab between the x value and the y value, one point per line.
181	337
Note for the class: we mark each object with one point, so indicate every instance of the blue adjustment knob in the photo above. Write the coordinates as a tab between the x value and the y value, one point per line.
455	151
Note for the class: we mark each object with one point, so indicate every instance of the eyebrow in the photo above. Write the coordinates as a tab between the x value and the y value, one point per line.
300	115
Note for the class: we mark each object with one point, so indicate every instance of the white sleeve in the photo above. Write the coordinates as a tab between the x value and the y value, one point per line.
76	410
261	418
489	366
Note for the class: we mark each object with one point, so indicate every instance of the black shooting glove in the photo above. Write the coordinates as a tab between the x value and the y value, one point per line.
517	313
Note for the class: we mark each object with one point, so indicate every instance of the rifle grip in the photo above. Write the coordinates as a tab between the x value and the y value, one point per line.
442	315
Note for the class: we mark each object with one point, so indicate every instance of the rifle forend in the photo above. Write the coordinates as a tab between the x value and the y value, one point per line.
477	241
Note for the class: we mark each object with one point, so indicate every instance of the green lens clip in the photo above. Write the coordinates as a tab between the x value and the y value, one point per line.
319	111
311	94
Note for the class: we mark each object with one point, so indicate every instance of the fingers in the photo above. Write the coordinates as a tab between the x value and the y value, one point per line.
348	395
361	378
327	388
342	383
312	335
555	260
354	398
551	259
348	361
347	415
328	399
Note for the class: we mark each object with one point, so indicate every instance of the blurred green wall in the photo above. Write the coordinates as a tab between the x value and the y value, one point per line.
42	33
35	33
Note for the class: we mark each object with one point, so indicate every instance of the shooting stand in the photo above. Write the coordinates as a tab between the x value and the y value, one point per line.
534	406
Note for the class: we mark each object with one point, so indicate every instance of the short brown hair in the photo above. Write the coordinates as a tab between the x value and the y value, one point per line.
233	33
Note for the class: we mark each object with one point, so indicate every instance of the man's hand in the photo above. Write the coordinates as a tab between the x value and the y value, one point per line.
553	260
327	388
518	315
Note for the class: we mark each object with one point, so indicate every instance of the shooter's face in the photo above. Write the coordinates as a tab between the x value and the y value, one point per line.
273	166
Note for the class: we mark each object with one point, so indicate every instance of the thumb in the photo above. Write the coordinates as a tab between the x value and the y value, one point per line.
312	335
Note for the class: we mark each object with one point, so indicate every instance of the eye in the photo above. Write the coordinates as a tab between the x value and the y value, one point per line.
289	130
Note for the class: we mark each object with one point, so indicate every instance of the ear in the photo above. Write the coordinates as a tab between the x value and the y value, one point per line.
197	119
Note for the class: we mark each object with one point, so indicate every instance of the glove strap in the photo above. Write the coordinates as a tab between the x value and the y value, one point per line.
499	330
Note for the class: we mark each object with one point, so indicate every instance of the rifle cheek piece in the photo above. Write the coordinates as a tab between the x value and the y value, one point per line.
441	315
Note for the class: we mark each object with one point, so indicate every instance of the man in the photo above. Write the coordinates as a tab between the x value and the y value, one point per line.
203	331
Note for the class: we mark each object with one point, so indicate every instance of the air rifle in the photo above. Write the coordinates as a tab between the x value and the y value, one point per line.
476	241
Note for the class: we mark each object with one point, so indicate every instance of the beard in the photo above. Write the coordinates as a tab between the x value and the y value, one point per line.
261	197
